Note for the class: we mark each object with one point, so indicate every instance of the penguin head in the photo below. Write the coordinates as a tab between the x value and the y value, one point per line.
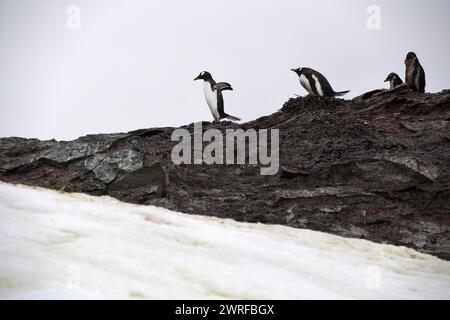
298	71
205	75
410	58
391	77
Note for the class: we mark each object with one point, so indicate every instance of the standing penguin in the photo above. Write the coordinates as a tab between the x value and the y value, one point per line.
394	80
214	97
415	75
316	84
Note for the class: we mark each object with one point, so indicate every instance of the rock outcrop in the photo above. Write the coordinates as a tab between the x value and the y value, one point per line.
376	167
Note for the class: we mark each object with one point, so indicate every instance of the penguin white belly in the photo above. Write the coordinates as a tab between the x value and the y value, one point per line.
305	84
211	100
409	75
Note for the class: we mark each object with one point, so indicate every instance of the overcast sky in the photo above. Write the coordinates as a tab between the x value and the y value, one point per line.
132	63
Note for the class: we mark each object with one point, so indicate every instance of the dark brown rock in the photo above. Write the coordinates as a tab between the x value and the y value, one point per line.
376	167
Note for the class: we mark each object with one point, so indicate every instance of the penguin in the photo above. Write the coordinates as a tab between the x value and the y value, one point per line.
214	97
394	80
414	75
316	84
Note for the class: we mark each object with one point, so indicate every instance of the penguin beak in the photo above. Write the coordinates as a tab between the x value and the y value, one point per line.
197	78
387	79
294	70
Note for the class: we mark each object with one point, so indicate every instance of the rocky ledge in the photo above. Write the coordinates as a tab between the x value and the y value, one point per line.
376	167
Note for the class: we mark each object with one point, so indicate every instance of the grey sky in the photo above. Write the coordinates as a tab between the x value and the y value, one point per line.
132	63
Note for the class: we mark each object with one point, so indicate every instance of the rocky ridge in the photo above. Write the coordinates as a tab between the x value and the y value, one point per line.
376	167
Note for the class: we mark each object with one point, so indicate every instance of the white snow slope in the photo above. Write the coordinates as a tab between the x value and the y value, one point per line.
73	246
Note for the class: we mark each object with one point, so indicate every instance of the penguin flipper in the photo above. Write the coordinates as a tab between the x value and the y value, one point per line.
422	81
222	86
